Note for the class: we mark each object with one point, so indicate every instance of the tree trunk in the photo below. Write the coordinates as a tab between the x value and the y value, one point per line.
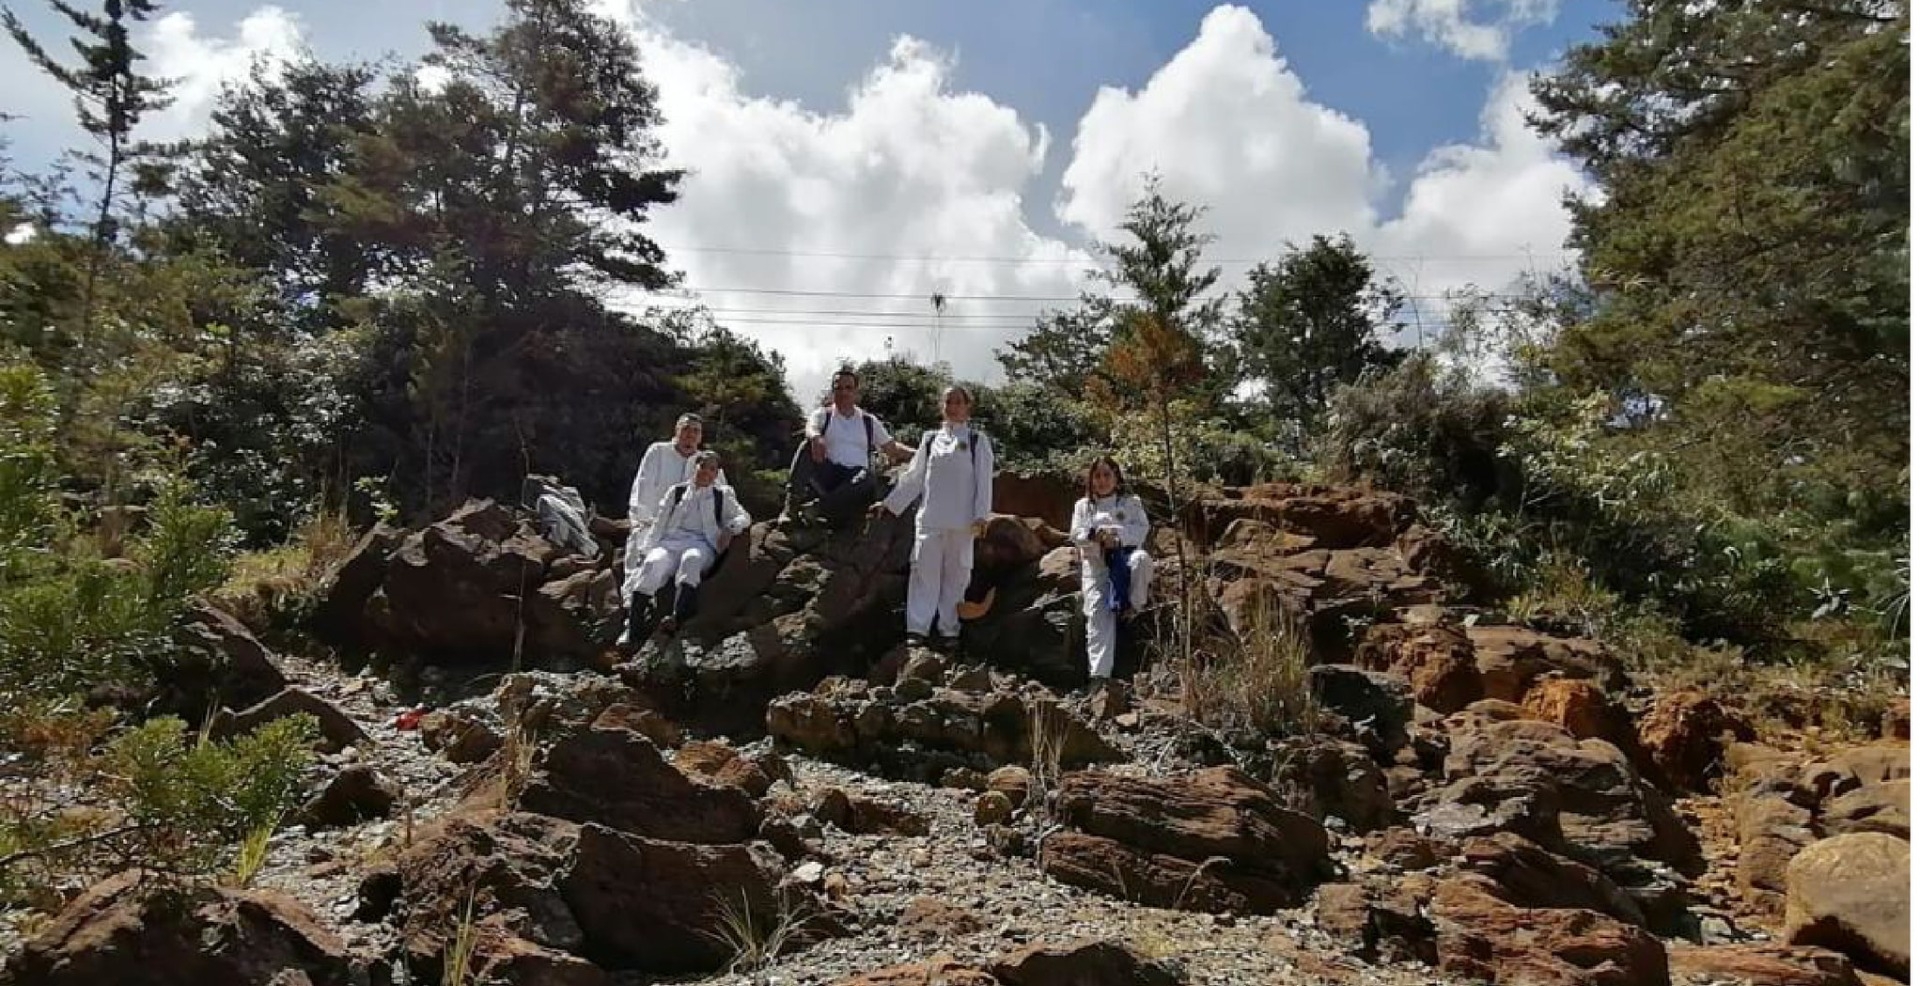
1173	512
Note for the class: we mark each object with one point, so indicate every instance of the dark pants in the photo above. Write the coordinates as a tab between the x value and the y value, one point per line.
1119	577
839	491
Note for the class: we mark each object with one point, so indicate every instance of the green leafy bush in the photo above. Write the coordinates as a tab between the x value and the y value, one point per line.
190	797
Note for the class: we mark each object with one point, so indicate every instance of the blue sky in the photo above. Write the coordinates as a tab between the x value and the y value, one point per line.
907	132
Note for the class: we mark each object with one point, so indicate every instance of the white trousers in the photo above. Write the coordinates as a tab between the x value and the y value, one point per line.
942	565
684	559
1103	631
630	577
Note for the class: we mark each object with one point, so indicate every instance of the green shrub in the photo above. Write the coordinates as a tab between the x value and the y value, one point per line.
1423	431
192	797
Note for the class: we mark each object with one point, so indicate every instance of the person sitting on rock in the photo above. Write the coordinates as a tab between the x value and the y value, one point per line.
694	523
952	475
663	465
833	468
1109	526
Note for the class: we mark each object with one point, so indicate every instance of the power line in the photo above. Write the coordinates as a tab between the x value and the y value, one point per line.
986	297
816	324
1525	253
919	296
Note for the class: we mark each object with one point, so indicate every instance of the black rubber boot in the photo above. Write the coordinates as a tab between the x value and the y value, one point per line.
639	609
685	600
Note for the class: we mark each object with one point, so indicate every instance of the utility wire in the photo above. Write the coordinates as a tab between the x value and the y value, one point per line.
1525	252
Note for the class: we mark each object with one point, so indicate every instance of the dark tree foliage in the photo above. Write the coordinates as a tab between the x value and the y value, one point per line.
1750	250
1313	319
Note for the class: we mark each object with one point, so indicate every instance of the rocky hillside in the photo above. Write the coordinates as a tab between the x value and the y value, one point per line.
786	793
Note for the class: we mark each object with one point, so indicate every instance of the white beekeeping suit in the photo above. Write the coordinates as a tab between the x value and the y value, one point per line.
952	477
661	469
685	536
1124	515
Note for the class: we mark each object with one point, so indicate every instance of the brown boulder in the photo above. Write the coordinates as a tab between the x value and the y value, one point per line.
459	736
1437	659
1046	495
1881	807
658	906
1009	543
1872	763
1579	797
848	720
339	618
1212	840
1771	829
1339	779
220	662
1379	919
1850	893
664	732
1405	849
1014	781
122	930
499	956
719	763
1686	733
929	918
1150	879
355	794
1510	659
1335	517
1483	937
506	864
992	808
862	815
440	593
1525	875
1085	963
1579	707
337	730
1760	965
618	778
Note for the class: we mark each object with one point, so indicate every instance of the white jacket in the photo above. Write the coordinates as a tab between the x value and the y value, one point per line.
699	500
1123	513
660	468
953	468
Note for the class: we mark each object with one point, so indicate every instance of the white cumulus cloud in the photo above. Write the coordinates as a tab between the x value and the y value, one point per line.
1478	30
912	187
1230	127
200	64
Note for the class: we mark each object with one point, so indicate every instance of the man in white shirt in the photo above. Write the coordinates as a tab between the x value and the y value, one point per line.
692	525
834	466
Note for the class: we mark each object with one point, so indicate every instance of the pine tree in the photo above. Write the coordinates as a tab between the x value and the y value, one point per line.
111	96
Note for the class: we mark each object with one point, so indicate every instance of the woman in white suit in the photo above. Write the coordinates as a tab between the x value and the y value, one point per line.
952	476
1110	528
694	523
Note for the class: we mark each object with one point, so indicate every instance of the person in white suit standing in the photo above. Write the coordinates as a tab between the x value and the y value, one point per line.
952	476
693	523
1110	528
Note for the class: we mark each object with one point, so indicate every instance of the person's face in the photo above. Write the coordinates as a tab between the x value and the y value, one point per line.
687	437
956	407
845	393
706	473
1103	479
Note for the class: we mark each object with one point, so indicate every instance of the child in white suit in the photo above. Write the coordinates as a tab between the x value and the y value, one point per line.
1109	527
952	475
